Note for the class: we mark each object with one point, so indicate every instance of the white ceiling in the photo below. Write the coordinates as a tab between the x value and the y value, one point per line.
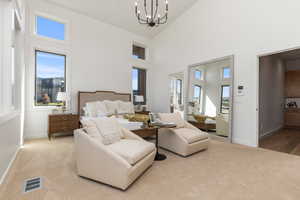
121	13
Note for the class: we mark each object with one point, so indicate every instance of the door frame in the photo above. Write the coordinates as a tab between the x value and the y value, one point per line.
231	116
259	83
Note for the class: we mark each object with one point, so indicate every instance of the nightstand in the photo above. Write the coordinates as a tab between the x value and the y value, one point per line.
62	123
142	112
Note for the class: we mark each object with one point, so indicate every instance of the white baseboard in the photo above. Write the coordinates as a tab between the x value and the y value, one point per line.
271	131
9	166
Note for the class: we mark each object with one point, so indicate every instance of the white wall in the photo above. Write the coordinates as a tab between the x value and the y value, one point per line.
99	57
213	29
11	120
272	94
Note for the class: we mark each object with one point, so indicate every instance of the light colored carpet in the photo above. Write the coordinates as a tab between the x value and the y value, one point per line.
225	171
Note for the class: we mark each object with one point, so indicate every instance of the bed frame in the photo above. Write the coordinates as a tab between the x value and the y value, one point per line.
85	97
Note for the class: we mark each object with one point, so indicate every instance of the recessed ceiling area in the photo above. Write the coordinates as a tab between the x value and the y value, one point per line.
122	13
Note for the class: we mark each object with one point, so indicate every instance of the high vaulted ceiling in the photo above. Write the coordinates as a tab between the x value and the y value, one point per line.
121	13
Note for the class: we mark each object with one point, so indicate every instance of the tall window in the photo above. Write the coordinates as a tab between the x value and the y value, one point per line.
225	98
198	75
197	93
50	28
138	52
226	73
50	77
139	84
179	91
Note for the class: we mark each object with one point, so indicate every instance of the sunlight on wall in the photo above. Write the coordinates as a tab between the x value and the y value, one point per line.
210	109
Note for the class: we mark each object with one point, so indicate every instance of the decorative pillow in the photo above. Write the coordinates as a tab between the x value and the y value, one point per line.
110	130
125	107
137	118
172	118
95	109
111	106
93	132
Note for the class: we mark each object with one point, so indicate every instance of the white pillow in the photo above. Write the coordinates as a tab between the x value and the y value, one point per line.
96	109
111	106
110	130
125	107
93	132
172	118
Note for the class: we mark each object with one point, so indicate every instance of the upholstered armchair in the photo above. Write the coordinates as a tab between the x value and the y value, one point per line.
118	164
185	139
222	125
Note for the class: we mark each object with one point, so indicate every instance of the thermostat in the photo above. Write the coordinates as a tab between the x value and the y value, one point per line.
240	91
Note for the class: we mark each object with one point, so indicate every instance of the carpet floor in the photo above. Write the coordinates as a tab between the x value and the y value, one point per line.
225	171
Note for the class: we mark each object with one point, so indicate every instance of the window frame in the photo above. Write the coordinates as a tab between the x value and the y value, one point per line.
35	76
138	91
200	95
180	99
221	102
141	46
53	18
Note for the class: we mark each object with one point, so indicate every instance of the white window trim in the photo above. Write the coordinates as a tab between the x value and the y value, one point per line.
54	18
31	73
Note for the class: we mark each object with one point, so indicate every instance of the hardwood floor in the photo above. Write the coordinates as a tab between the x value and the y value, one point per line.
285	140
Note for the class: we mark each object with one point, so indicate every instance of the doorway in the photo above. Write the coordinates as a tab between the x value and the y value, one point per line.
176	93
279	102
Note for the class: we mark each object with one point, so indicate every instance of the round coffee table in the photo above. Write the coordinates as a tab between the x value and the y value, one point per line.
160	156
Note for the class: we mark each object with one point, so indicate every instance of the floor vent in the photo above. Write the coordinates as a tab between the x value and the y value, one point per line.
32	184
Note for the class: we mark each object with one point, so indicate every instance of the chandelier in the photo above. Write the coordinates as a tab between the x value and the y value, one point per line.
151	17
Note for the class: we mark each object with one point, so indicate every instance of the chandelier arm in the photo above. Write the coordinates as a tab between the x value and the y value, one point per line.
156	9
145	8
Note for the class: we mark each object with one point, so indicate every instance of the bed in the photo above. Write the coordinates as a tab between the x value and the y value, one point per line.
87	97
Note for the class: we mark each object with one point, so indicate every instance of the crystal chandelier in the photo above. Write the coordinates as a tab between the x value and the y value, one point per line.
151	17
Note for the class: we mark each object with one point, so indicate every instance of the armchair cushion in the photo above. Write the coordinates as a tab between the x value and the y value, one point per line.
191	135
132	150
172	118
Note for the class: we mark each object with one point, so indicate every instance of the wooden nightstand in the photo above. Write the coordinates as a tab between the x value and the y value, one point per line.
62	123
142	112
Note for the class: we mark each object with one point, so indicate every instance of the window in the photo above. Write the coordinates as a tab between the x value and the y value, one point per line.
225	98
226	73
197	93
139	52
198	75
139	84
179	91
49	28
50	78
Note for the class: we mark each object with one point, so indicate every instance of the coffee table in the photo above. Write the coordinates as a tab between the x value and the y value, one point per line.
160	156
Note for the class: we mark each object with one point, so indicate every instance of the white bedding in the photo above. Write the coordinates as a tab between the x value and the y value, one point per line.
124	123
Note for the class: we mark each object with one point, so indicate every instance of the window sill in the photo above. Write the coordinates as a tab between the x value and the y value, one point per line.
8	116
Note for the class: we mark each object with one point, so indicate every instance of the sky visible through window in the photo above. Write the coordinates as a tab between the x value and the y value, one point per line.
50	65
197	92
135	79
226	92
50	28
198	74
226	72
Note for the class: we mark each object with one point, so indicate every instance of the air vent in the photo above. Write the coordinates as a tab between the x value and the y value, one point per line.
32	184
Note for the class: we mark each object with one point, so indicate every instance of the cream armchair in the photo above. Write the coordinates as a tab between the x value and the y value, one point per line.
222	125
118	164
185	139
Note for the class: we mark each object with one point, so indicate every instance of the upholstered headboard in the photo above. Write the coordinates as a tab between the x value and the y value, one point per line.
85	97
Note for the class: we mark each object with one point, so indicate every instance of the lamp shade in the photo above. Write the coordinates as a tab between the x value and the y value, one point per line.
139	98
62	96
